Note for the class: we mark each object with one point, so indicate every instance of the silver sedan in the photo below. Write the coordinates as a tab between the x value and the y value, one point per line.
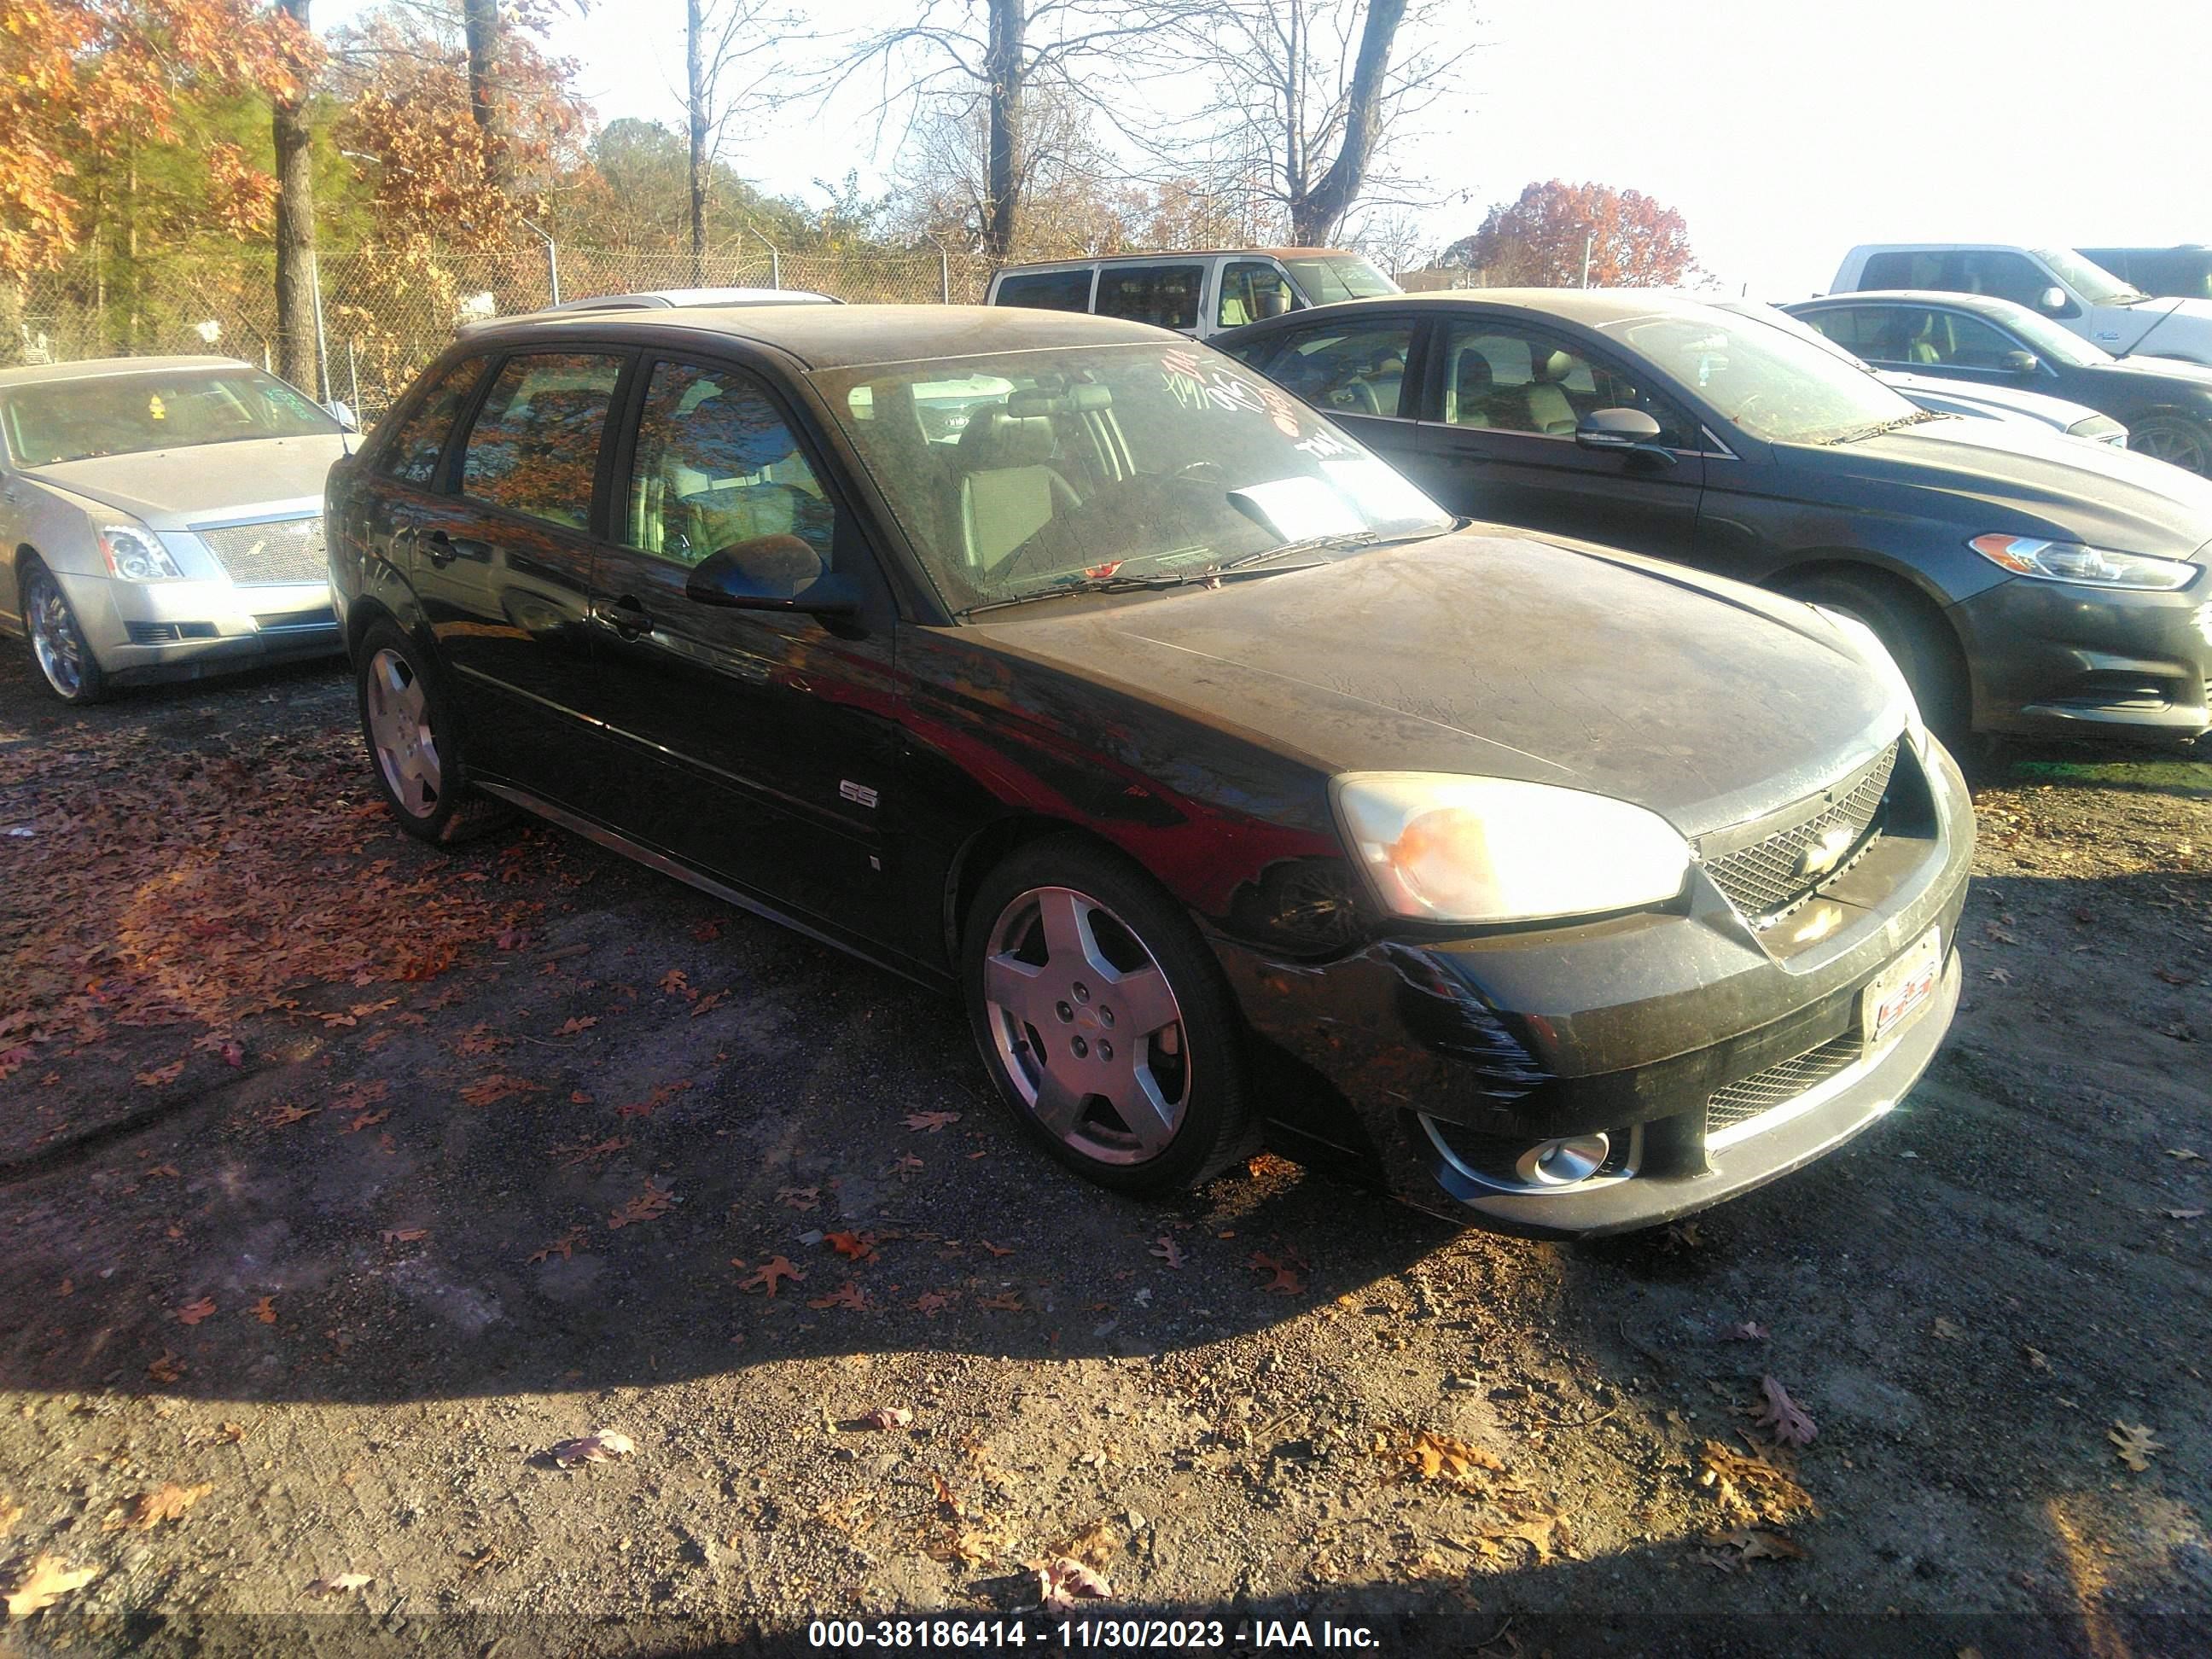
160	518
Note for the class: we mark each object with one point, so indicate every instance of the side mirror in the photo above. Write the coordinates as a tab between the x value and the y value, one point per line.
2020	363
2053	299
1622	431
342	414
771	573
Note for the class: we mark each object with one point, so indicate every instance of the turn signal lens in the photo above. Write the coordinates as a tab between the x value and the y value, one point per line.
2073	561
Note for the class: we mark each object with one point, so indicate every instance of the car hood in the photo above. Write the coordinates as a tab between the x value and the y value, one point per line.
205	484
2170	374
2001	476
2154	326
1988	402
1501	654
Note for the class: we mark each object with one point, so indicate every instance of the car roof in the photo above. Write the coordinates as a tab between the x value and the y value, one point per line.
1995	304
835	337
1155	256
1593	308
91	368
669	298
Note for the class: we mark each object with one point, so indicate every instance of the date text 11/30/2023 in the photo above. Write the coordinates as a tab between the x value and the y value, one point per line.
1117	1635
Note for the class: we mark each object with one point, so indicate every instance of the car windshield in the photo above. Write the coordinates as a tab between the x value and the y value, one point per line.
1325	279
175	409
2088	279
1045	470
2047	339
1764	380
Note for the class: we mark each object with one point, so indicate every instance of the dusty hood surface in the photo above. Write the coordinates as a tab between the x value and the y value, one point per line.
1494	652
204	484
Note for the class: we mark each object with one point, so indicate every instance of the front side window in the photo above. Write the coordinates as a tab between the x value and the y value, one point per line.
1953	340
1133	460
1347	369
1765	381
2011	277
1252	289
1166	296
130	414
1046	290
412	455
2047	339
2086	278
1516	380
535	446
1864	330
716	465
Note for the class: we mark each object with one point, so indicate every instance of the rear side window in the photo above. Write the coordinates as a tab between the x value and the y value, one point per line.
1903	270
1046	290
1166	296
412	455
1865	331
535	446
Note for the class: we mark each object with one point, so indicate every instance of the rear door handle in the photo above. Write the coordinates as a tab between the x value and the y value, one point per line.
441	549
627	617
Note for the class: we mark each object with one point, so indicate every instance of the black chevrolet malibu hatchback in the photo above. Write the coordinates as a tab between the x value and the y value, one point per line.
1239	792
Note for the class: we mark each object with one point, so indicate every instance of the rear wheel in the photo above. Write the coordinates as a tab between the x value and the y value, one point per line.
2170	438
57	644
1103	1020
1922	644
413	741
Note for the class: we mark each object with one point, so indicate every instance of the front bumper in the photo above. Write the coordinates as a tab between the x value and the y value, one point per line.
147	631
1416	1059
2062	657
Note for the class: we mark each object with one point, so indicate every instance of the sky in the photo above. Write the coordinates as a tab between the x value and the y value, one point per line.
1784	131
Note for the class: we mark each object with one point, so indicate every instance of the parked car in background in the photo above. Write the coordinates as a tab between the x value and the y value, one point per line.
2183	272
1973	398
1235	789
1977	340
160	518
1200	292
2065	287
2024	582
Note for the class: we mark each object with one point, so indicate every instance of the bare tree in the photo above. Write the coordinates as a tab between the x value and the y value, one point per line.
295	228
724	40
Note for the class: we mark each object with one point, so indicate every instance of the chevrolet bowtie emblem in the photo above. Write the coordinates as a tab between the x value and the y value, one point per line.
1824	853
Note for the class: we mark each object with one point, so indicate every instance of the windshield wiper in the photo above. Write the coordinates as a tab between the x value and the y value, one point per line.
1091	585
1881	426
1342	541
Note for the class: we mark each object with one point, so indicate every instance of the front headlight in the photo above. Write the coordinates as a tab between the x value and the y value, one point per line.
135	553
2071	561
1876	656
1439	847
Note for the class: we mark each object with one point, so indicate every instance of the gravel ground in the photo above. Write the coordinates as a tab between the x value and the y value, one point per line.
343	1181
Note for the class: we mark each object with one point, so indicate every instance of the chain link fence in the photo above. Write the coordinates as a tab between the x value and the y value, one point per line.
384	312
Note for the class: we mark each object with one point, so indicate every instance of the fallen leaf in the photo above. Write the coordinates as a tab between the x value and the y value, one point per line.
284	1116
930	1122
1749	1330
581	1023
10	1513
339	1583
2184	1154
161	1074
2135	1445
1285	1282
570	1156
564	1247
1439	1457
192	1312
1062	1581
2173	978
402	1235
2037	1359
707	1003
1684	1235
908	1162
1169	1252
2183	1215
43	1583
167	1369
1947	1330
265	1311
857	1246
771	1274
365	1121
847	1294
2000	975
1751	1488
1779	1413
886	1417
996	1249
167	1502
600	1446
800	1197
676	982
651	1203
498	1087
930	1300
1757	1545
1005	1302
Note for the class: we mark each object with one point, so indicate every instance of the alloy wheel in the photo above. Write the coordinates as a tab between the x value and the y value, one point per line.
399	730
2183	444
1086	1025
55	642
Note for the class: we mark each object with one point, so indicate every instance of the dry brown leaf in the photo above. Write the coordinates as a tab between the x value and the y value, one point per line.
167	1369
2134	1444
1062	1581
43	1583
799	1198
856	1247
192	1312
1790	1424
771	1273
600	1446
930	1122
365	1121
1757	1545
1439	1457
2183	1215
1005	1302
651	1203
402	1235
847	1294
1748	1330
1947	1330
161	1074
166	1502
10	1513
1285	1282
886	1417
285	1116
1750	1488
1169	1252
498	1087
580	1023
339	1583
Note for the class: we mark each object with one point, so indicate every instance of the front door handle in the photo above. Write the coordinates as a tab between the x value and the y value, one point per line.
627	617
441	549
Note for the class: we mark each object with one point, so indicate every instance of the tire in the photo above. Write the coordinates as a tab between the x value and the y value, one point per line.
2185	443
1922	646
1058	934
413	741
58	647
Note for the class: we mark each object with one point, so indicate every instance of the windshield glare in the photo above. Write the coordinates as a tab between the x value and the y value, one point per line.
2088	279
128	414
1339	276
1766	381
1133	460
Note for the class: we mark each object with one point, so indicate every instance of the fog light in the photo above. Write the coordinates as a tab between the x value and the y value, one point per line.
1565	1162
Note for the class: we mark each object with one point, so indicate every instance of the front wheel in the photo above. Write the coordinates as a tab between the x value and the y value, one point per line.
1920	643
1103	1021
57	644
2187	444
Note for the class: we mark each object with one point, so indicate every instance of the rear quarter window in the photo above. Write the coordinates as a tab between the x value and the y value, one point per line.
1922	271
411	455
1045	290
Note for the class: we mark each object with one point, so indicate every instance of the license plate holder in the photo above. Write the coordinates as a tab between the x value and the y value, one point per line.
1898	994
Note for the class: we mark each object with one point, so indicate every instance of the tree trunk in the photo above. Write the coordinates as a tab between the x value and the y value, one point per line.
1004	63
1315	214
295	233
695	64
480	20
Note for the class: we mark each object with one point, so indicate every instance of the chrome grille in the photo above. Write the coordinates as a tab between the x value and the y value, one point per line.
1778	1085
263	555
1763	879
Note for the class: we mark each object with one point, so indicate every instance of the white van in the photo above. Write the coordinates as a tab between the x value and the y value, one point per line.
2075	292
1199	293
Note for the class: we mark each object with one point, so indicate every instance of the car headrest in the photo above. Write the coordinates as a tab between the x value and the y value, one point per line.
1078	398
995	439
1550	369
1267	302
1475	376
